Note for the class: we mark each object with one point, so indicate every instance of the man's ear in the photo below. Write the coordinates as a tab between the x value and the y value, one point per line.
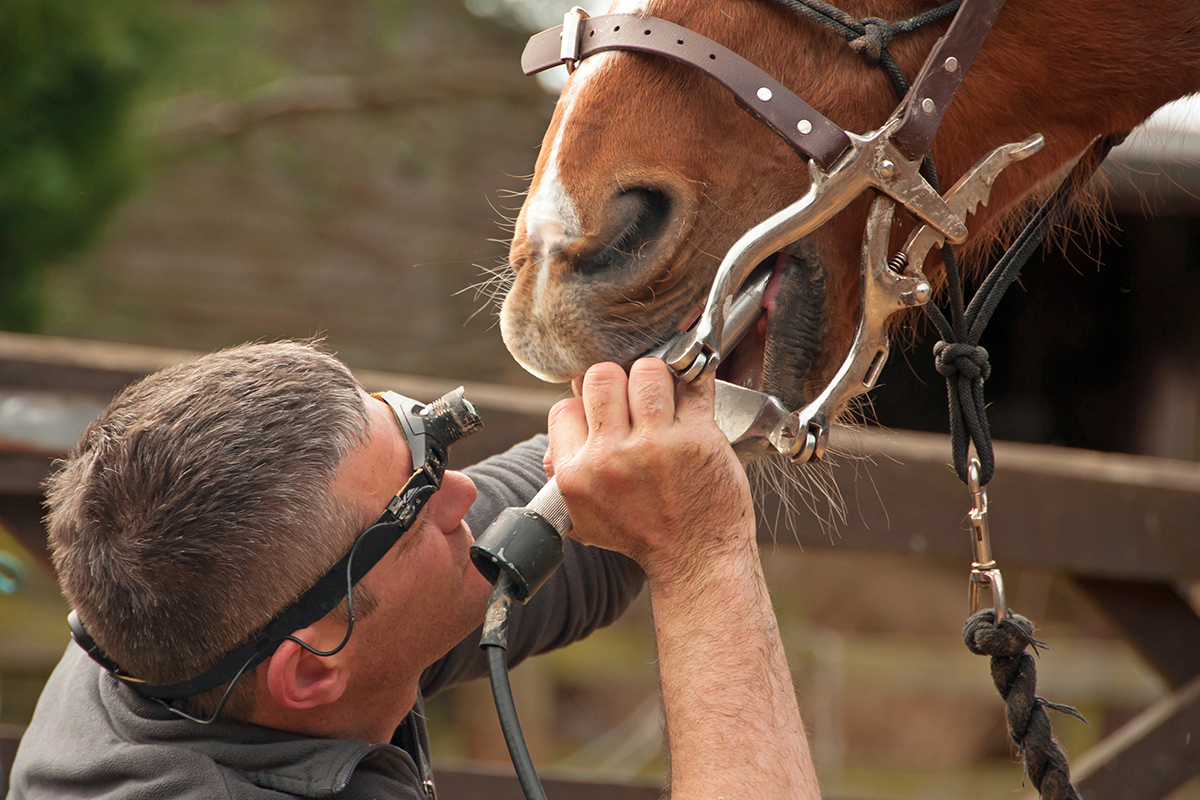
298	679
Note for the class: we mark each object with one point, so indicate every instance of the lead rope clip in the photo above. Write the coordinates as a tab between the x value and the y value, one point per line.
984	572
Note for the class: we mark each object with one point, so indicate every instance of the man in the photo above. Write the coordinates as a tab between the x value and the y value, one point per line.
212	495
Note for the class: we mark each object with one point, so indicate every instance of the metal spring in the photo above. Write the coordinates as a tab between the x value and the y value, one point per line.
898	262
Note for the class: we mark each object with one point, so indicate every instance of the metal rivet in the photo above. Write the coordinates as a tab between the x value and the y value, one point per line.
951	64
887	169
928	106
764	94
804	126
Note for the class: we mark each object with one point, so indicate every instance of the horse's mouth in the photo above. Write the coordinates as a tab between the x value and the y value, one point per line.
775	356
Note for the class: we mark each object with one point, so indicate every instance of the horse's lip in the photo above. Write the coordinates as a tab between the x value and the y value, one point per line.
690	318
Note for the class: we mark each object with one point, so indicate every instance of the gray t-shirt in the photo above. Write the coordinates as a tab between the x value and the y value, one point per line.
93	737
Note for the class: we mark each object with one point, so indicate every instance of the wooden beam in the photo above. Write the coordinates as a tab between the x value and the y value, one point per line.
1150	757
78	366
1155	618
21	516
101	369
1103	514
1087	513
23	473
468	781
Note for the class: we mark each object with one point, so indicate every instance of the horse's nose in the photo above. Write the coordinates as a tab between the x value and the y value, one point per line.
634	221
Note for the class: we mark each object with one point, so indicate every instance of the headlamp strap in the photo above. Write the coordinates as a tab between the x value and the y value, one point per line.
321	598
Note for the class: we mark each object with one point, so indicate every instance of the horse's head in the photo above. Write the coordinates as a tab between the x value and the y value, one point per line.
649	172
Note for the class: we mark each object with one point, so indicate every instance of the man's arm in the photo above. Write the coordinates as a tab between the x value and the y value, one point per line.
645	471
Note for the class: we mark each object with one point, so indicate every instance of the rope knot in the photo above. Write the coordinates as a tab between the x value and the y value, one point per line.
983	636
957	358
874	39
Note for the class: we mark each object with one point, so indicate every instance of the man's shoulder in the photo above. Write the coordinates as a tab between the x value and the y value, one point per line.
93	738
75	748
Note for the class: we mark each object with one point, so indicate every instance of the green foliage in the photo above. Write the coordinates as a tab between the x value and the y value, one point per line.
71	72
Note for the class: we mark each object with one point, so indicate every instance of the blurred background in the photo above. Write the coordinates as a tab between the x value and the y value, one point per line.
191	174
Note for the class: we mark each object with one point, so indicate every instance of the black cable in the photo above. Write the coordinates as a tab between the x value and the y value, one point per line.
323	653
495	644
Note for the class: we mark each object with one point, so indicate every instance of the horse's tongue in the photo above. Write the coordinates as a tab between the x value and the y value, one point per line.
772	292
795	303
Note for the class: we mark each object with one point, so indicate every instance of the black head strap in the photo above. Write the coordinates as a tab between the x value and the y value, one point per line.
321	598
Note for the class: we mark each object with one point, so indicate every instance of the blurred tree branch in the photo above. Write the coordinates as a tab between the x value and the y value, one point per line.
194	119
72	71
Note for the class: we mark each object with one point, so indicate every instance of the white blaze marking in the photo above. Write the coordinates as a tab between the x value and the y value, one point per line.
551	216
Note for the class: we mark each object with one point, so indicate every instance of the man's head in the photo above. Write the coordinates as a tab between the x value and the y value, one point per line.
199	504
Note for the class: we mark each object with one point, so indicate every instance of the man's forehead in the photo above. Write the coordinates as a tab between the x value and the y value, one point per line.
403	412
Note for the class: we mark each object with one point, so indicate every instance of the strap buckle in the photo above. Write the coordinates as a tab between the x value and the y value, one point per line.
572	37
984	572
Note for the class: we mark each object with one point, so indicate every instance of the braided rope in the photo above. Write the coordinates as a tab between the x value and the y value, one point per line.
1014	673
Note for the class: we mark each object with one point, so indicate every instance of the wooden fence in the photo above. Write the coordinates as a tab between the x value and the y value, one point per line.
1123	527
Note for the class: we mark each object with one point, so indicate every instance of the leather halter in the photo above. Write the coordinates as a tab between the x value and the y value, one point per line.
808	131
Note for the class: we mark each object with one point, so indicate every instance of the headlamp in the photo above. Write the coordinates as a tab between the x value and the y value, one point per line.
429	430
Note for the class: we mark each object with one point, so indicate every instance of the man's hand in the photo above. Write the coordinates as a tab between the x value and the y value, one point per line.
646	471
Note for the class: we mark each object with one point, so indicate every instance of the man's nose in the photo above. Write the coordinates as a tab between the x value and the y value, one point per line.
451	502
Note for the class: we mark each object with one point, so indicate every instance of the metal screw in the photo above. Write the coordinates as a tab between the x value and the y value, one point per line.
928	106
804	126
887	168
764	94
951	64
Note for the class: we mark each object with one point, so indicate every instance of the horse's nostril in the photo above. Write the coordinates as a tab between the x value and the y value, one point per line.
638	217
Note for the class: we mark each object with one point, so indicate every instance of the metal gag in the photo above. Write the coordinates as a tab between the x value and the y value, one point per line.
871	162
754	420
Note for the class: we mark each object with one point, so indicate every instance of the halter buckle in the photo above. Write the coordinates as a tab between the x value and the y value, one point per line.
572	37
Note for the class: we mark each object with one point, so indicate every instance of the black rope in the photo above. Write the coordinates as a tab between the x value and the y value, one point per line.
958	356
869	37
964	364
1015	675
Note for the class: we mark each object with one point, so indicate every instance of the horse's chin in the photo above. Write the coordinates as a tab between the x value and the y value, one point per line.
775	356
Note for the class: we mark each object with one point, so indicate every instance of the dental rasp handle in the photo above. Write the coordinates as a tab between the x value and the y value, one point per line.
525	543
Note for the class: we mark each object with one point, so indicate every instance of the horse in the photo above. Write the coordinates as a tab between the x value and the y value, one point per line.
649	170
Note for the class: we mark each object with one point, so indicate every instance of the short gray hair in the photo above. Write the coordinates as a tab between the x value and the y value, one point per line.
198	505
